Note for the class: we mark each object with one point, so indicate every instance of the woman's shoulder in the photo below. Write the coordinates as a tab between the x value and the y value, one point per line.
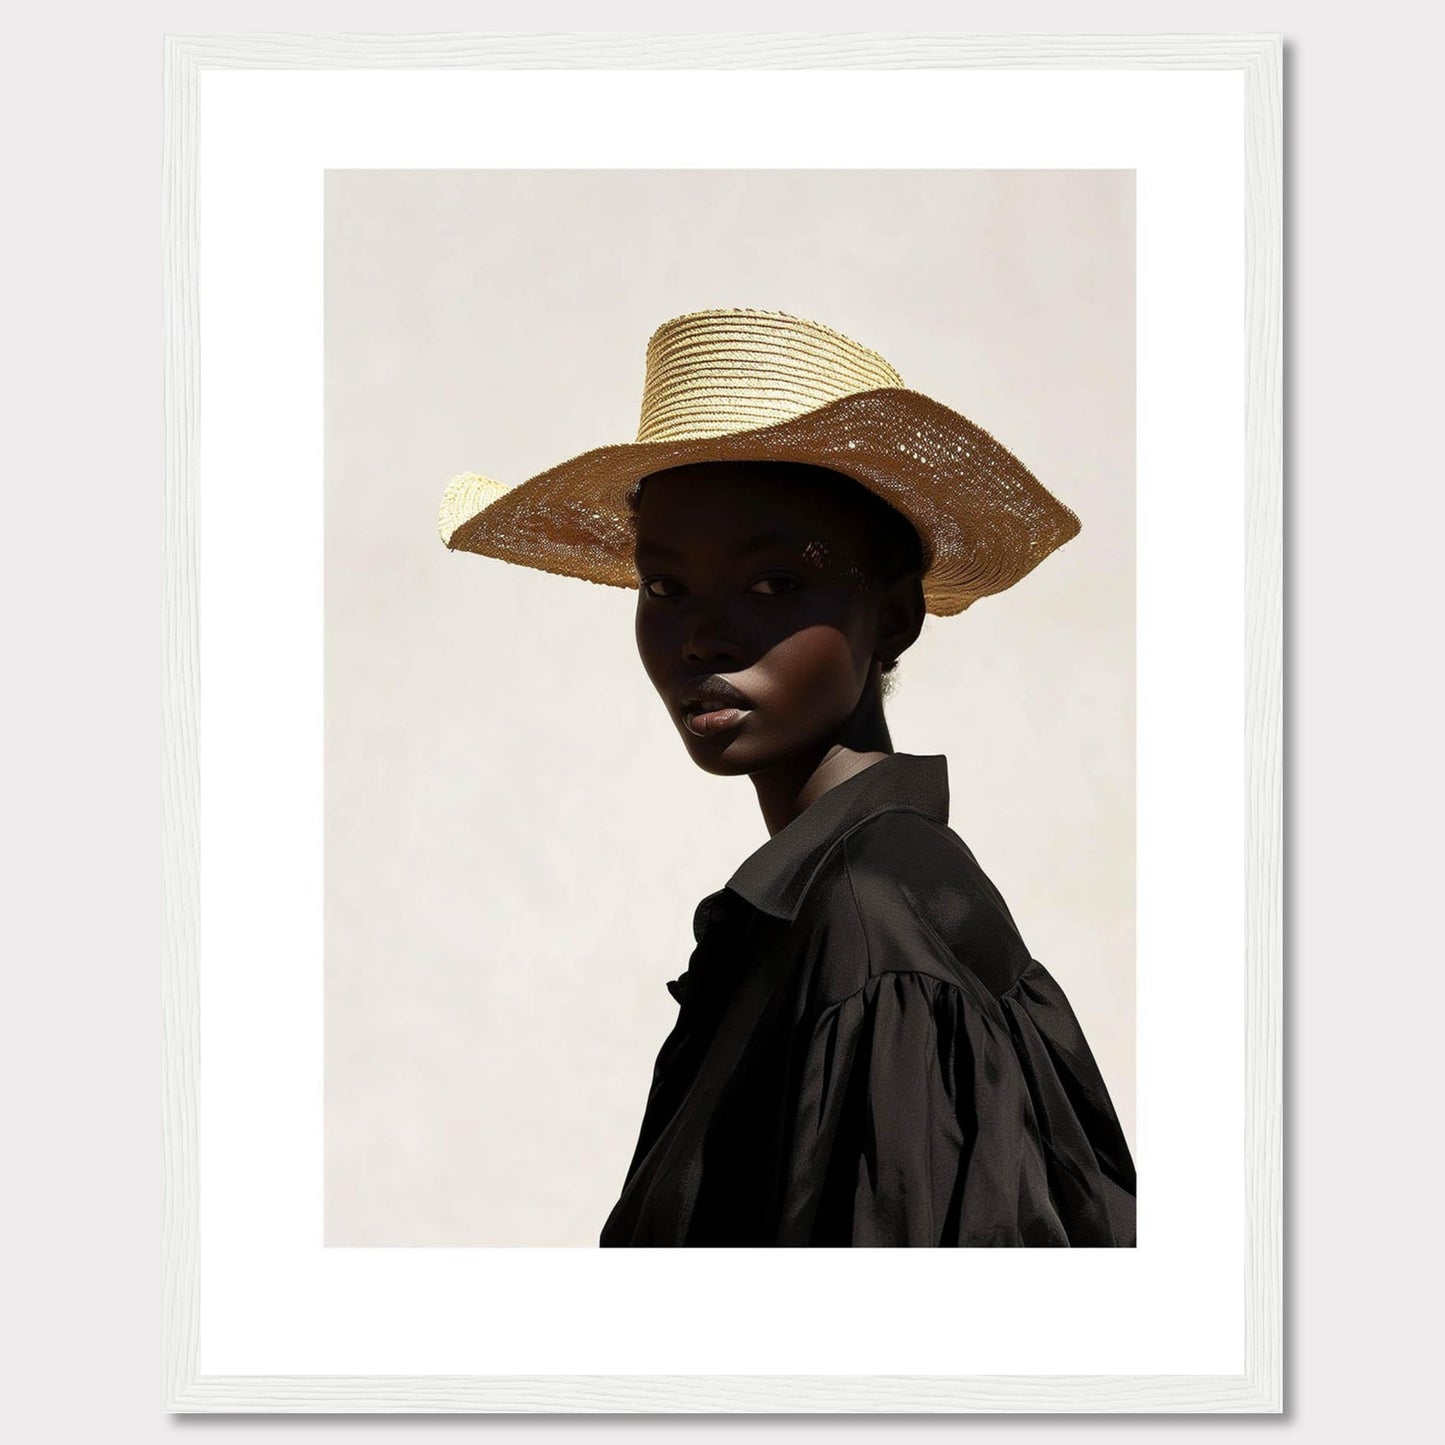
902	892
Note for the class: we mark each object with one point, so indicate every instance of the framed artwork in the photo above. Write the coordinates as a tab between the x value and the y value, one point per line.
723	674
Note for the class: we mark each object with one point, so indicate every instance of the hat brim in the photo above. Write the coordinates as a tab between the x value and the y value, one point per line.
984	518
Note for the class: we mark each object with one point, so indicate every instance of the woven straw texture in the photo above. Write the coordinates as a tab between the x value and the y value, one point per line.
741	384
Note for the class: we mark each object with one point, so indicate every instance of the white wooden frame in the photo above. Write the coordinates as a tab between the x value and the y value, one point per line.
1260	1387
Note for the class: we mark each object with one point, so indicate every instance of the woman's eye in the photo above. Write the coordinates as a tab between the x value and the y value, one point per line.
777	585
772	586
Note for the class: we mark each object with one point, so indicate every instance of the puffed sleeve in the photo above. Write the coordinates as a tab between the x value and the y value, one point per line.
927	1111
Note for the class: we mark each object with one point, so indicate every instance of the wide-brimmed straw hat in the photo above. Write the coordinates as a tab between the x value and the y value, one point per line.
737	384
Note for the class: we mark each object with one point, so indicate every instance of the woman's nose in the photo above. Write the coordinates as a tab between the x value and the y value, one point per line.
708	633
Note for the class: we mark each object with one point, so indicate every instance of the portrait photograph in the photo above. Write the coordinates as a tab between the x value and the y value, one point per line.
730	708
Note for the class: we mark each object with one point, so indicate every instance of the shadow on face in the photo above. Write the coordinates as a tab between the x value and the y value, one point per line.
772	577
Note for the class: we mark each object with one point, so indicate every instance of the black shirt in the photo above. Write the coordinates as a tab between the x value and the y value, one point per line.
865	1053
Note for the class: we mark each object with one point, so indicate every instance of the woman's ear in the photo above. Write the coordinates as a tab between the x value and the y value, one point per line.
901	611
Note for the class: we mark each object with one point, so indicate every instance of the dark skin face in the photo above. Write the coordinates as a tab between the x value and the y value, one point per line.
797	623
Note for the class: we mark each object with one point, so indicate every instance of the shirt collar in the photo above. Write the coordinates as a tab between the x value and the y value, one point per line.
776	876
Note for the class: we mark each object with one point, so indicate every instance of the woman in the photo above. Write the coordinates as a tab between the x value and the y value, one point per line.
865	1051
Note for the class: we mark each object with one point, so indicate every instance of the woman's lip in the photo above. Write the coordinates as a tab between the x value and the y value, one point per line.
724	719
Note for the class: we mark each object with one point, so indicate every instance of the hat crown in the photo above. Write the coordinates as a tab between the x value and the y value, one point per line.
735	369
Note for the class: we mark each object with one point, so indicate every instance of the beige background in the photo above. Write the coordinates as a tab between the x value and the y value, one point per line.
510	879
